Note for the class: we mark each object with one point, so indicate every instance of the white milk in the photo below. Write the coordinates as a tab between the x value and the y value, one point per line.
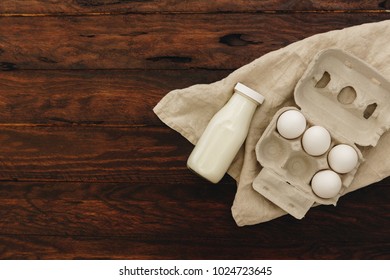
224	135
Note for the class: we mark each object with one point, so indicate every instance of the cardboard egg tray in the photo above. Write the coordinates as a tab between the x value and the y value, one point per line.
344	95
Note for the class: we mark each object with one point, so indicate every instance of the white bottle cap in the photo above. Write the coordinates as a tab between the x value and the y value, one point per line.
250	93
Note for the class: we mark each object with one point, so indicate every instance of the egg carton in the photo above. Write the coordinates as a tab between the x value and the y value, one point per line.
340	93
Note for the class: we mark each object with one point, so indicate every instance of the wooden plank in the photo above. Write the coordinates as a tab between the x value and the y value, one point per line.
94	97
142	219
197	190
158	41
70	247
156	211
94	154
20	7
143	225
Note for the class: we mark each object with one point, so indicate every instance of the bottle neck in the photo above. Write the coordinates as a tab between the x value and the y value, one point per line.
242	104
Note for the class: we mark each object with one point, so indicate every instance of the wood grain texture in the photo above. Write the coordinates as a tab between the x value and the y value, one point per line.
96	97
87	171
94	154
62	220
75	247
107	209
195	6
158	41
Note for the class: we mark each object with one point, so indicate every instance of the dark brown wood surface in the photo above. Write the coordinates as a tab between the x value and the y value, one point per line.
87	171
66	7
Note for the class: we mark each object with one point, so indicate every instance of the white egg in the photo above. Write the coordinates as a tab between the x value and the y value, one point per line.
343	158
326	183
291	124
316	140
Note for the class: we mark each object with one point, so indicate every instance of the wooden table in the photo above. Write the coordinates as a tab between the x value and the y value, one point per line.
89	172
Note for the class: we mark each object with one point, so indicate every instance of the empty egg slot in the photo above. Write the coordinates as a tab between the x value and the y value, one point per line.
324	81
300	167
347	95
370	109
274	148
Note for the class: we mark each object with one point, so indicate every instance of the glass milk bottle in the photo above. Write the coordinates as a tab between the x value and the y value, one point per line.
224	135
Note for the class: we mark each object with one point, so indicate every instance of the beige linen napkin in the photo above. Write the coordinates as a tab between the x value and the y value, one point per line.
275	75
